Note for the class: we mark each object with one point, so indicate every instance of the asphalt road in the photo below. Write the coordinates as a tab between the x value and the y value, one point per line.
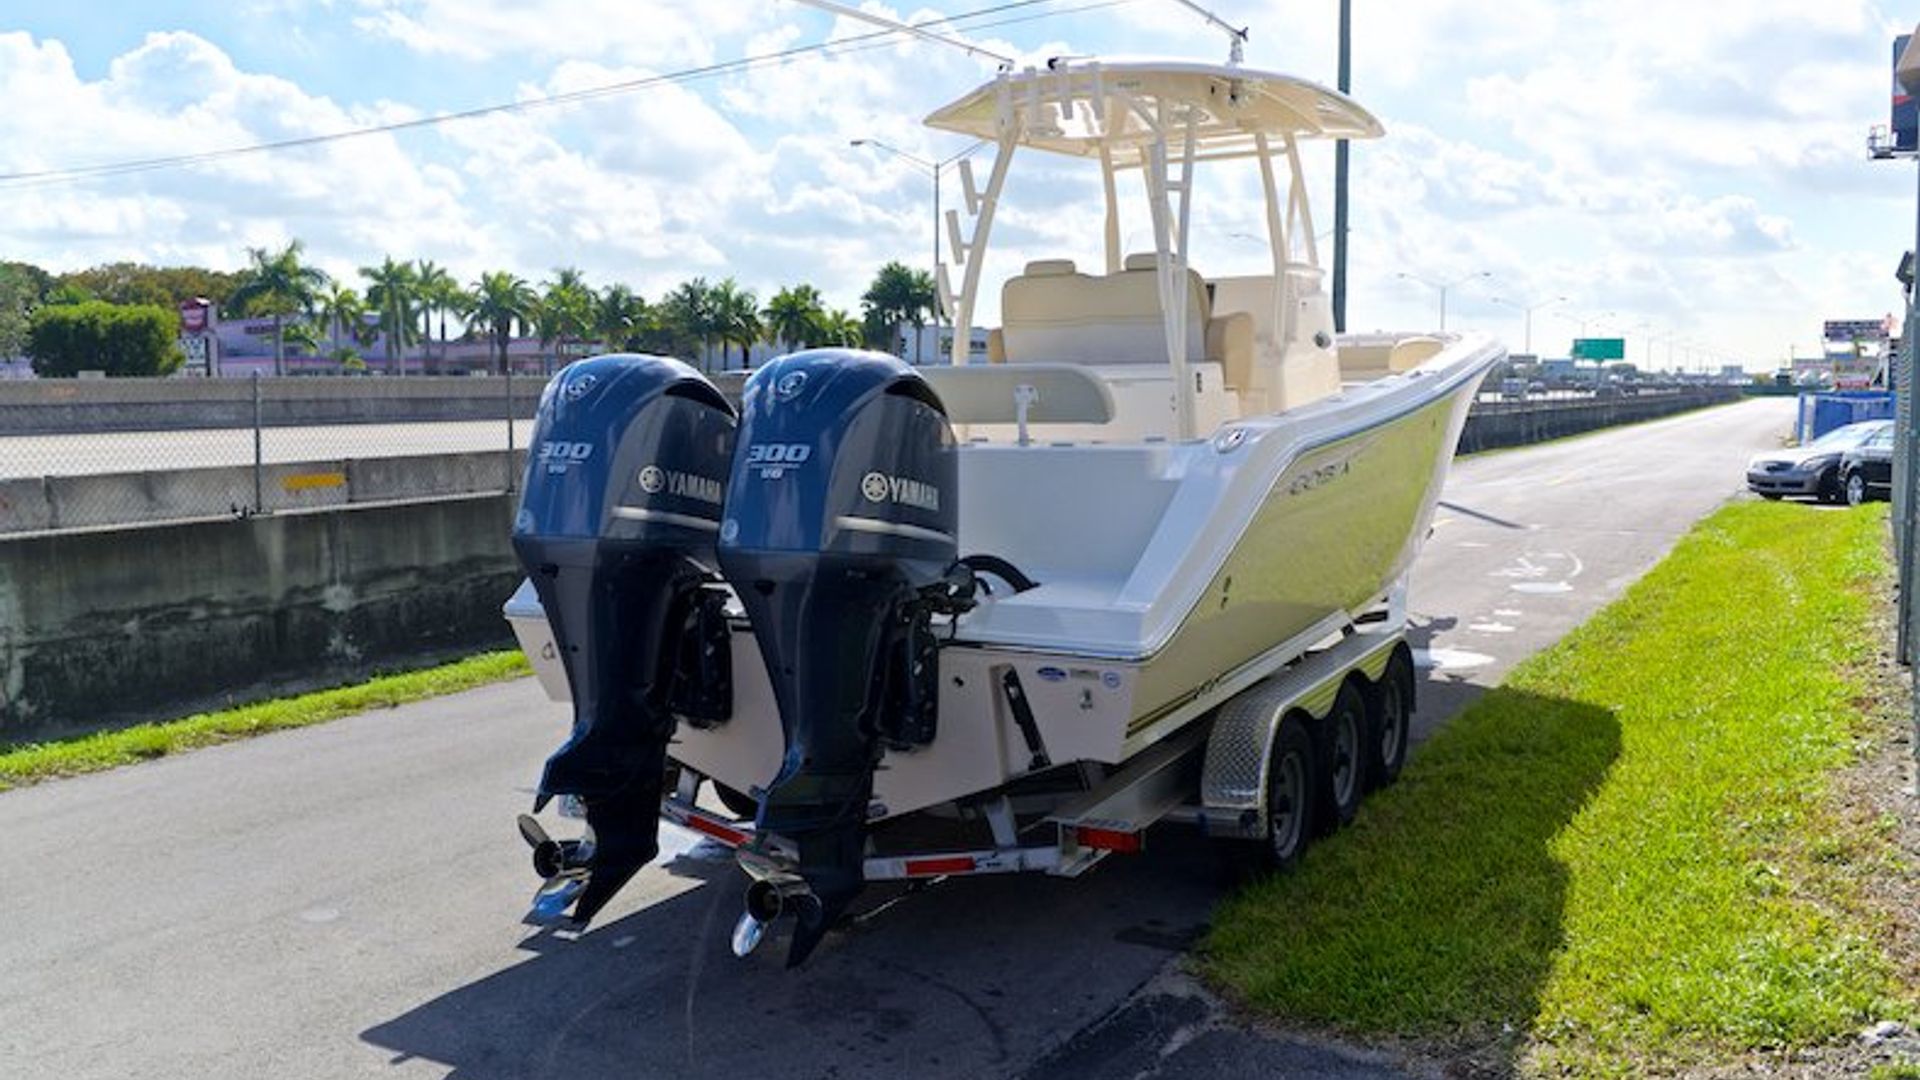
345	900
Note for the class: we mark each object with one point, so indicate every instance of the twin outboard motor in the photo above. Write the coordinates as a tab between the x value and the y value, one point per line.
617	523
838	538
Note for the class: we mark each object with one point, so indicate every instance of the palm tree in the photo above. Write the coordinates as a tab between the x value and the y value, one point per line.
619	317
500	302
736	316
339	309
688	309
835	327
566	310
277	284
438	293
792	314
897	295
393	291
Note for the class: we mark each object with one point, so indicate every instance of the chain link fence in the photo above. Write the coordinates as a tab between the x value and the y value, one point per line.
113	452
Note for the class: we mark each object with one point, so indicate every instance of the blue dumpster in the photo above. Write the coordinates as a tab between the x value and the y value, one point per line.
1822	412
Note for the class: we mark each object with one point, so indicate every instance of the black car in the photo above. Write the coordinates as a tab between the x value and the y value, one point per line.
1866	471
1813	469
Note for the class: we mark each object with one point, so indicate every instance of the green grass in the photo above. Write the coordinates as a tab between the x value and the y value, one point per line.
1895	1070
35	762
1630	854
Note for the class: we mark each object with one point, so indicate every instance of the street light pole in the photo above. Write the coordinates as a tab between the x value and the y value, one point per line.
934	169
1528	310
1340	178
1444	287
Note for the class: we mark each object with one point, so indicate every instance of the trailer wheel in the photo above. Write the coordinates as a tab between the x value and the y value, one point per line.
1344	756
1293	781
1389	716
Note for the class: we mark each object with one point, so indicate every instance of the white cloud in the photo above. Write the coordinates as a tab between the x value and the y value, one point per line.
1685	165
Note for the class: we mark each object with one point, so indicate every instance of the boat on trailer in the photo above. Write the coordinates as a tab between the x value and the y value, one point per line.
1147	561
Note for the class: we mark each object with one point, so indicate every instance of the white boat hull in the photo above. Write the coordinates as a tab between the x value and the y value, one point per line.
1307	521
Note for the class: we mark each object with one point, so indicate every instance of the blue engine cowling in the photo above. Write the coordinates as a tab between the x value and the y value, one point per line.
616	528
839	539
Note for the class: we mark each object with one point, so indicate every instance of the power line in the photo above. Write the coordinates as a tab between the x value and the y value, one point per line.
856	43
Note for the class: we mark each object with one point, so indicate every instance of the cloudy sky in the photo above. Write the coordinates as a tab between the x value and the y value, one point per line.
1689	171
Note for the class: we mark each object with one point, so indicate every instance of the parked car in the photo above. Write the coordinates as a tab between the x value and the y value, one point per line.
1866	471
1811	470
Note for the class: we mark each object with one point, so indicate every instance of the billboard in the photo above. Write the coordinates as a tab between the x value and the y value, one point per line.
1906	111
1856	348
194	315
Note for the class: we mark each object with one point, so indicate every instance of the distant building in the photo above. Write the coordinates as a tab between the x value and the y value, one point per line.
932	345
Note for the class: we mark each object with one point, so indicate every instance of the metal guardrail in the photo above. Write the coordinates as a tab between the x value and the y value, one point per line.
1494	424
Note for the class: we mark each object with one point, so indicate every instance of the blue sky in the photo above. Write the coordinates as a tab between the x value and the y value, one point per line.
1695	170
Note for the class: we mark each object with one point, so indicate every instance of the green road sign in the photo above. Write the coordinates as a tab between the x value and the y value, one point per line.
1599	348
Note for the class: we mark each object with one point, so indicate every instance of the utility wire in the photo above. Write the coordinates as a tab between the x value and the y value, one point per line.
855	43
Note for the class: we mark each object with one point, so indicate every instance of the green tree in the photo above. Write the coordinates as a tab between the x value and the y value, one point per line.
303	336
620	318
278	284
23	288
502	302
93	335
793	316
392	292
736	318
689	313
339	309
898	295
565	314
166	286
439	295
836	328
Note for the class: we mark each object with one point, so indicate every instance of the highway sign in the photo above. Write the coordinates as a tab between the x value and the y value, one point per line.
1604	348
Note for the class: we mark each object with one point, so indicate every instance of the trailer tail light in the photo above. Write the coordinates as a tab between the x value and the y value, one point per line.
1124	843
938	865
726	834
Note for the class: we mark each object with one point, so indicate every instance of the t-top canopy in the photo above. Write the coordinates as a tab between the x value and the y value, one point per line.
1076	108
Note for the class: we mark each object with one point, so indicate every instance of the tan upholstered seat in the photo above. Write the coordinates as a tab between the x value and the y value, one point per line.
1053	314
1410	353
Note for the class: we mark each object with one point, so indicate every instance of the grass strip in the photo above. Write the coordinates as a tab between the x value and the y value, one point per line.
1629	855
34	762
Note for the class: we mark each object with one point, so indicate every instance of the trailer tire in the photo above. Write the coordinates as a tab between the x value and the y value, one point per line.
1342	752
1293	781
1390	717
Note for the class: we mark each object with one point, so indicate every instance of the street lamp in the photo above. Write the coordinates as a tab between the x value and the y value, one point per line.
934	169
1529	309
1443	287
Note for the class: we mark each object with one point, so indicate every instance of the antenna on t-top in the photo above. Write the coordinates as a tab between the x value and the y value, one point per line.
920	31
1236	36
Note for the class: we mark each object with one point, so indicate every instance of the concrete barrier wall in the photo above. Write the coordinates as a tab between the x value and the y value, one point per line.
108	626
77	406
1496	424
100	499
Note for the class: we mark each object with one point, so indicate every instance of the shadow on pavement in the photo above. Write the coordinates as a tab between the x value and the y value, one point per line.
971	978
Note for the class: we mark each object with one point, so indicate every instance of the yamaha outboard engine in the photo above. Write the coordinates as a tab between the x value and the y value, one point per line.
616	528
838	538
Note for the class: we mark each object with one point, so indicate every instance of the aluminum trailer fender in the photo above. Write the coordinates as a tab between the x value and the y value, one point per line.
1233	778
